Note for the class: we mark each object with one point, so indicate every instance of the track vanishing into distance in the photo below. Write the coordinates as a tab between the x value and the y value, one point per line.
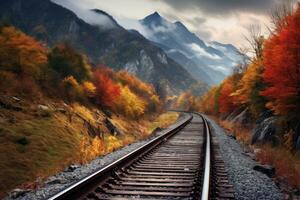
182	163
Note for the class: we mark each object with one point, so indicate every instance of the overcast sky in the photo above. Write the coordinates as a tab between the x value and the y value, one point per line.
224	21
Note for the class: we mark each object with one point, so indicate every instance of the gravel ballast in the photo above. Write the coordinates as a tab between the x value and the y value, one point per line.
248	183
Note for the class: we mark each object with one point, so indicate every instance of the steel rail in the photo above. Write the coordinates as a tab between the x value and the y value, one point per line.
207	168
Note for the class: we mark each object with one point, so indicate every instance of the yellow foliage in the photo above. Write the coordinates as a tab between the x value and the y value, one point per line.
208	101
83	112
251	75
130	104
112	143
89	88
72	88
90	149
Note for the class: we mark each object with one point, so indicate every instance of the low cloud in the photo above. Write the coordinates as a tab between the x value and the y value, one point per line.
221	7
202	53
87	14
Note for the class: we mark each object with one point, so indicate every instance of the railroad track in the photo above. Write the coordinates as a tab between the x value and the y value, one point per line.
179	164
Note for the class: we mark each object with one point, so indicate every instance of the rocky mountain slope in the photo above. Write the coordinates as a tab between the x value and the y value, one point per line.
109	44
209	62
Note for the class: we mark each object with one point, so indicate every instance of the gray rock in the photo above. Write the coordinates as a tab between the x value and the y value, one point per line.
44	111
232	115
111	127
72	168
16	99
232	136
156	130
265	131
43	107
265	169
54	181
16	193
61	110
242	118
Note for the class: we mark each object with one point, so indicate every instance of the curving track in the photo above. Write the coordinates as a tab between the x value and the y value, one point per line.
176	165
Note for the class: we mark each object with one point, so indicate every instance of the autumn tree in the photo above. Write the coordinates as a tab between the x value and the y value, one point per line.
129	104
65	61
143	90
72	89
21	54
208	101
107	91
250	86
282	68
227	102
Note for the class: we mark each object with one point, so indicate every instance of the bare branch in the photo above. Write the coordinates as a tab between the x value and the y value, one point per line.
279	14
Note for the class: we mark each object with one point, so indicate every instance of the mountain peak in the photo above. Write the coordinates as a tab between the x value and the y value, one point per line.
152	18
180	25
155	14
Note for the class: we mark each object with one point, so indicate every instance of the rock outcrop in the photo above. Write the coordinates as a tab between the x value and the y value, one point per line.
264	130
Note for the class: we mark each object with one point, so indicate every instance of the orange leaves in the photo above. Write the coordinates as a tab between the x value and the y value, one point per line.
226	100
132	99
106	90
20	53
282	69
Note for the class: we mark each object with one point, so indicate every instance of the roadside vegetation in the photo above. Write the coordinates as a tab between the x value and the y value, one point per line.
56	109
267	84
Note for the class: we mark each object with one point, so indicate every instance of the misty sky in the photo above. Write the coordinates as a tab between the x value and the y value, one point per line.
213	20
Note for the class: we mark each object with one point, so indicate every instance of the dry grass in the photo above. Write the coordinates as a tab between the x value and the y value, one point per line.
286	163
35	146
163	121
242	134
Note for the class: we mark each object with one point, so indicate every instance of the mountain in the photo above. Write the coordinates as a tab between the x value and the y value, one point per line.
210	63
228	50
104	41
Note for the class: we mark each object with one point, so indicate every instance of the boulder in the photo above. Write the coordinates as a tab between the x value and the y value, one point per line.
232	115
71	168
264	131
53	181
156	131
232	136
265	169
61	110
16	193
9	103
242	118
111	127
93	131
44	111
43	107
16	99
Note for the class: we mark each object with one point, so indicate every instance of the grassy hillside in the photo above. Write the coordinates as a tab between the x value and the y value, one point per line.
36	143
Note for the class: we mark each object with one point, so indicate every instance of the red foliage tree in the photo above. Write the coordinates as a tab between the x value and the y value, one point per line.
282	67
106	90
226	100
